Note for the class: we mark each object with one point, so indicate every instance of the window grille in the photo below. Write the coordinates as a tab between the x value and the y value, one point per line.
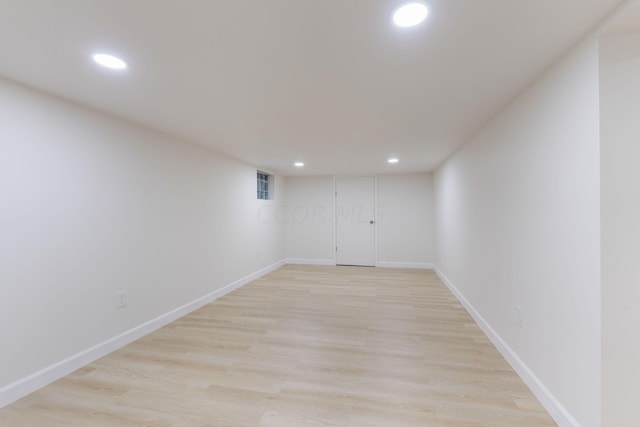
264	186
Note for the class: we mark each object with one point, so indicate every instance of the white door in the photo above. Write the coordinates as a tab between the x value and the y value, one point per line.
355	220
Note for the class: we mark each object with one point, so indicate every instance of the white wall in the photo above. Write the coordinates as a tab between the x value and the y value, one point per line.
309	216
517	223
405	220
91	205
620	192
405	212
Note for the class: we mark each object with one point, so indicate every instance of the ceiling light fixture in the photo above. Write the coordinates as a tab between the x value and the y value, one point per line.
410	14
109	61
298	164
393	160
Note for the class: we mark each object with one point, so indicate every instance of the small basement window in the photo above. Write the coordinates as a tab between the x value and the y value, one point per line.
265	186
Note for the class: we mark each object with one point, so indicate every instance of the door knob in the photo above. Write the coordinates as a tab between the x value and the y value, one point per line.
371	222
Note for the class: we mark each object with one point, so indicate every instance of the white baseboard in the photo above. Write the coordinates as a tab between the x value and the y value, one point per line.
557	411
27	385
418	265
310	261
383	264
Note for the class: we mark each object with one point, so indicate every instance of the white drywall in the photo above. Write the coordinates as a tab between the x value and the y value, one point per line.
405	225
620	193
90	206
517	224
309	217
405	213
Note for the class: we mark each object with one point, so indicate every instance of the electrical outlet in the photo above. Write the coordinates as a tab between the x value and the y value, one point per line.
121	299
519	317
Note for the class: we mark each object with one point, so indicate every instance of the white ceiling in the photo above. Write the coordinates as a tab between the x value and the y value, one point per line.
627	22
328	82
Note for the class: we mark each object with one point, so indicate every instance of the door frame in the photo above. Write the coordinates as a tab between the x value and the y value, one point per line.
375	214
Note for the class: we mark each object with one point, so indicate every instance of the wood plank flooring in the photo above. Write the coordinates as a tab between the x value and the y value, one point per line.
302	346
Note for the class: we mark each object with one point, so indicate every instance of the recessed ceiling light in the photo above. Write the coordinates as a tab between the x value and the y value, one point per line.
393	160
109	61
298	164
410	14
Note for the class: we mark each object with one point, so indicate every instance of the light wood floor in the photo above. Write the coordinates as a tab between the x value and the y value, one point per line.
302	346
